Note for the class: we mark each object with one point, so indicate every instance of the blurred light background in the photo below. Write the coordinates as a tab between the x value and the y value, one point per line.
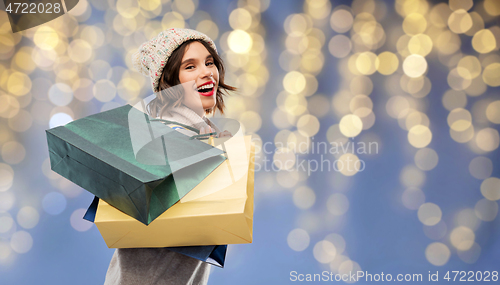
417	79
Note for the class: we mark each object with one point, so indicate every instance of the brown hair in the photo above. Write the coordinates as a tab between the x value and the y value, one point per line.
173	97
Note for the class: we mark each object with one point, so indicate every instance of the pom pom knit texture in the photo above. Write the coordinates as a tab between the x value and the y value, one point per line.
152	55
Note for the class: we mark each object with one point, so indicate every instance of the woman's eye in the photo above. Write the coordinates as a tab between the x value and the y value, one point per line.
210	63
189	67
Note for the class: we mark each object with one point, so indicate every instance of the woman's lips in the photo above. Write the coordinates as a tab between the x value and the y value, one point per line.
207	94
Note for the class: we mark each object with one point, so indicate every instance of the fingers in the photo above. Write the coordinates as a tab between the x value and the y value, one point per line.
225	134
206	130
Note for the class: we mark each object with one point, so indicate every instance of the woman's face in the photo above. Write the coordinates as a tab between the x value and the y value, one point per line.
199	77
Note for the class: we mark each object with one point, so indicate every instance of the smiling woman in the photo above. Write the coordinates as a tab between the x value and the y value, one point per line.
193	64
187	76
191	85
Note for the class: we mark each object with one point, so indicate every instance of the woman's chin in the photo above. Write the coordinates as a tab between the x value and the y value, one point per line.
206	107
208	102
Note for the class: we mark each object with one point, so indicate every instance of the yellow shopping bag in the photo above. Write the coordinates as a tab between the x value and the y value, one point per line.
217	211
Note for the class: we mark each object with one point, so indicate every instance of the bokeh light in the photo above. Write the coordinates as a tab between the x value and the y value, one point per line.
437	253
486	210
459	119
491	74
46	38
6	177
13	152
460	21
387	63
487	139
294	82
493	112
60	94
419	136
413	198
337	204
415	65
79	51
349	164
490	188
341	21
308	125
462	238
21	242
298	239
412	176
484	41
324	251
77	221
414	24
304	197
348	267
350	125
340	46
420	44
54	203
18	83
59	119
429	214
467	218
481	167
28	217
426	159
240	41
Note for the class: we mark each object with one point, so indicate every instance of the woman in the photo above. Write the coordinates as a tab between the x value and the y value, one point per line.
187	76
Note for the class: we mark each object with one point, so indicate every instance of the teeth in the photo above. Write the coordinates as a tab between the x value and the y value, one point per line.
208	86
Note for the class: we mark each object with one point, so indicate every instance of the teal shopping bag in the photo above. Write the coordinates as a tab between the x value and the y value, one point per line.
139	166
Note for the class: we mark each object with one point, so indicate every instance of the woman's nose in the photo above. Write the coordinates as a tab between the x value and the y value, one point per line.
205	72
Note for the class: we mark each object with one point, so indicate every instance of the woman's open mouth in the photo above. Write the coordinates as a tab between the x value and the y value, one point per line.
206	89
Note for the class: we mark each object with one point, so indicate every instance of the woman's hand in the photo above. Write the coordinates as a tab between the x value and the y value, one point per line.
225	133
206	130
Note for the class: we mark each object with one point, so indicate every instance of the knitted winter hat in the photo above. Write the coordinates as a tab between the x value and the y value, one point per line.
153	54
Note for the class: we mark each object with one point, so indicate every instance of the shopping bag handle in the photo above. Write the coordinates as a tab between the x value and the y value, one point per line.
176	123
198	136
203	136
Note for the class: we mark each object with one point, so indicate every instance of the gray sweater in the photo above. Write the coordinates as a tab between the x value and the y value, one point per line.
145	266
